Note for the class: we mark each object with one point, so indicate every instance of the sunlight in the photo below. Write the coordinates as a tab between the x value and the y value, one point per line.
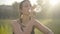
37	9
53	2
10	2
33	2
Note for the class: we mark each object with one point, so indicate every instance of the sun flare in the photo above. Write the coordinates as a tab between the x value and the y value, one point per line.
53	2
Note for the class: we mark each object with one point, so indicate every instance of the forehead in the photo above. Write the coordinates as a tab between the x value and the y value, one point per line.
26	3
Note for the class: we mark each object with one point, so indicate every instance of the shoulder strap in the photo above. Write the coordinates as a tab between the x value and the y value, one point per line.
33	30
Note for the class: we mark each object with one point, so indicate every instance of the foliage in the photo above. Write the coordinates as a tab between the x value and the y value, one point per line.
5	27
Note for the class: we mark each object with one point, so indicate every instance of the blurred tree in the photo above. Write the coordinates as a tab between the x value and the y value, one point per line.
46	9
15	9
8	11
5	11
56	12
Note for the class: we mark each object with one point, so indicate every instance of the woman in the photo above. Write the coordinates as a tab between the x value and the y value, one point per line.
26	21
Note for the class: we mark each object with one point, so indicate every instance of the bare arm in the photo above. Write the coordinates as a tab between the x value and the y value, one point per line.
42	27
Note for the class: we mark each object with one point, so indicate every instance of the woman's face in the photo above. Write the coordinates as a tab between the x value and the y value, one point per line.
26	7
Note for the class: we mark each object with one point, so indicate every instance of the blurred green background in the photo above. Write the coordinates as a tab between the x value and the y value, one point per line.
47	12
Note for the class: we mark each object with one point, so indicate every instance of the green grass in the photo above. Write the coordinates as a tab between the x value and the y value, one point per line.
53	24
5	27
37	31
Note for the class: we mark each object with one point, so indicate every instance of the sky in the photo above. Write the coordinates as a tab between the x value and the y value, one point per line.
9	2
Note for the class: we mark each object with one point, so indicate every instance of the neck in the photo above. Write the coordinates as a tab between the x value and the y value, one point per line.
25	19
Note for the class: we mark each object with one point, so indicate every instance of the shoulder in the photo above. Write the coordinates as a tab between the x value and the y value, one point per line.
14	23
36	22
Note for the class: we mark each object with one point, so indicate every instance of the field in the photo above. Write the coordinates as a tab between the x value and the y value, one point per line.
53	24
